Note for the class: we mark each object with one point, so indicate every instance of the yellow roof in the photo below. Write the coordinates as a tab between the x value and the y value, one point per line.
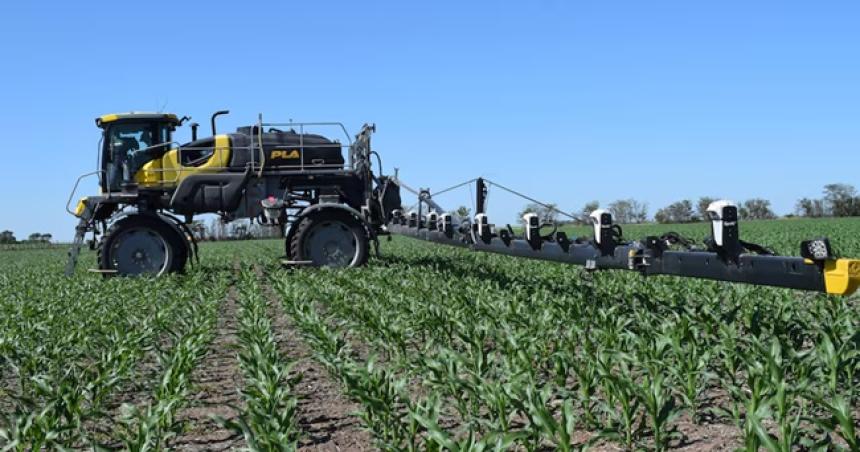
106	119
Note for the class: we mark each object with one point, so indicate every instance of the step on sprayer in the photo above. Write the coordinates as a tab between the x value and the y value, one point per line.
331	207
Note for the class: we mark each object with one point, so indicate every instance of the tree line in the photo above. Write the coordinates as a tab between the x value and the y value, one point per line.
838	200
8	237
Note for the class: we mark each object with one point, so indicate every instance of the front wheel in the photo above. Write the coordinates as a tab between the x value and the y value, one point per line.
329	238
142	245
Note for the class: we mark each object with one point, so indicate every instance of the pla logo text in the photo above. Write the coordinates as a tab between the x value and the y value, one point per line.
285	154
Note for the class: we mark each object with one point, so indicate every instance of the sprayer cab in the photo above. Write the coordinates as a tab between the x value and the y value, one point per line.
129	141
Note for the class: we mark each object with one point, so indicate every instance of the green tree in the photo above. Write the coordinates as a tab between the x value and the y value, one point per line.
841	200
463	212
756	209
626	211
7	237
546	214
702	206
677	212
810	208
586	212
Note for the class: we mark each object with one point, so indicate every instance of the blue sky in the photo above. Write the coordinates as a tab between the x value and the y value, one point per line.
569	101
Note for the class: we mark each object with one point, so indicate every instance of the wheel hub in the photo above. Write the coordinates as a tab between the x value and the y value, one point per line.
331	244
139	251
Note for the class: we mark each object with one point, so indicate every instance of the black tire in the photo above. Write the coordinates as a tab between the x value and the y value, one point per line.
333	221
173	246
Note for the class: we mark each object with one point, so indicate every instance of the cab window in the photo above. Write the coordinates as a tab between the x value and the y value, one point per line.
131	145
132	137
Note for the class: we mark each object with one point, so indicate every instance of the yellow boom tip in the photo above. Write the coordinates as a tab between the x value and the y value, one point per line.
842	276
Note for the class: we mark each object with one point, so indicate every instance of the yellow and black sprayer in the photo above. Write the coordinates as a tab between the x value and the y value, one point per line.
330	204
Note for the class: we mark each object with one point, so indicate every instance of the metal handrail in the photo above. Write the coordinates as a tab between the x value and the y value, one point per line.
75	189
260	142
301	126
313	124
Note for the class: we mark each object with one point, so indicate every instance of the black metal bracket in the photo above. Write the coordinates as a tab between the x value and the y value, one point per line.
480	196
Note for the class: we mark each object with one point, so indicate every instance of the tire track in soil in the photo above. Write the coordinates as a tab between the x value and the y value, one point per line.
325	414
217	380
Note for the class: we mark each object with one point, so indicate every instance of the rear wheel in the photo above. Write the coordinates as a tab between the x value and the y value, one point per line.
329	238
142	245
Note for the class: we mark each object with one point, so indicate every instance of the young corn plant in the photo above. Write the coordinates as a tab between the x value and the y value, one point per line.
839	418
690	364
426	414
149	427
730	353
838	356
269	420
621	406
534	403
72	352
382	394
772	396
585	368
660	406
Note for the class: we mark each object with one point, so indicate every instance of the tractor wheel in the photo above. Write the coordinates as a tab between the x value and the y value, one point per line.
142	245
329	238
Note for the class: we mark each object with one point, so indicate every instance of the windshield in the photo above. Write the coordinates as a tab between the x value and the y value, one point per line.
129	147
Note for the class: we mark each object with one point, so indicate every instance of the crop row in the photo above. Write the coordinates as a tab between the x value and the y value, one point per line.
110	362
74	351
66	346
269	420
539	354
150	426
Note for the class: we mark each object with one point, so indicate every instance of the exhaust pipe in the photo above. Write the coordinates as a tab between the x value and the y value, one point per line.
194	127
215	115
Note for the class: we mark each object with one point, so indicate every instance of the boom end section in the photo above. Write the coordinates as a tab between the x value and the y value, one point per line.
841	276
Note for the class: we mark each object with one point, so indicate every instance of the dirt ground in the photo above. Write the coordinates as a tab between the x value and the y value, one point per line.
325	414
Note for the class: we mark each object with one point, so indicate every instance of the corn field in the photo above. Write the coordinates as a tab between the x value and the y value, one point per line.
426	348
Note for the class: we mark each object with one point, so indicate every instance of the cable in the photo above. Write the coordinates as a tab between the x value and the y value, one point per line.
379	161
471	198
454	187
674	238
486	199
408	188
617	232
758	249
551	234
513	192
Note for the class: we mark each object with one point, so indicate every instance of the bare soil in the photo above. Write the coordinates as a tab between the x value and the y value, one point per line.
216	381
325	414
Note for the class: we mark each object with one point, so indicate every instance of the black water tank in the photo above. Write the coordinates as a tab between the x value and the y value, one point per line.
288	148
